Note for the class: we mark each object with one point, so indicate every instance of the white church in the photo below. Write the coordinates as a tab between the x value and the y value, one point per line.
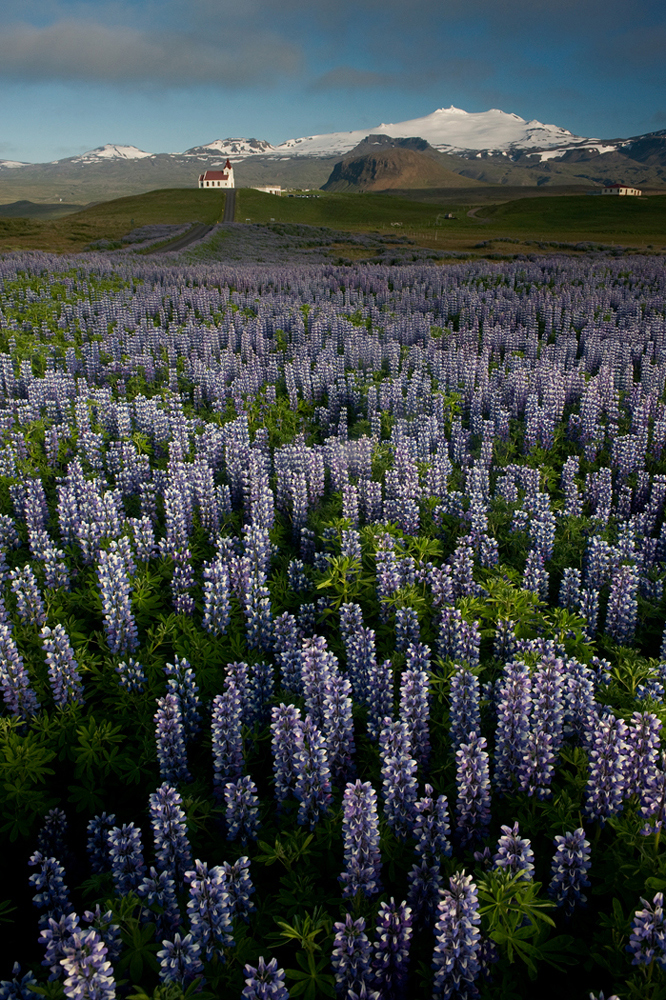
218	178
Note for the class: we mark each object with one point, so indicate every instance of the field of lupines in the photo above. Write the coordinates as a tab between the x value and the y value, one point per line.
331	629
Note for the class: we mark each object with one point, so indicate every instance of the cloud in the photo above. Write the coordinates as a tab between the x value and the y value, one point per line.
347	77
85	50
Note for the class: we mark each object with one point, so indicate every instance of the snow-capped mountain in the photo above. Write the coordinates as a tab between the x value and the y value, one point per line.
109	152
449	130
11	164
238	148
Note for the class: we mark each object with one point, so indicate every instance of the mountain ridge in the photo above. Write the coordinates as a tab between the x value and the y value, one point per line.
495	147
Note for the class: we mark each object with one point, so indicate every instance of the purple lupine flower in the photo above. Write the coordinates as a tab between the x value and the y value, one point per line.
317	666
465	713
242	808
536	576
360	833
131	675
126	853
512	736
180	960
52	837
285	727
266	982
259	695
581	710
589	610
546	724
653	799
55	937
29	603
406	628
217	606
462	570
313	786
227	738
98	841
570	589
239	887
504	644
113	572
456	955
287	639
361	660
51	893
297	578
514	853
169	823
338	725
647	942
208	909
107	930
393	937
18	989
17	692
351	957
258	613
643	751
158	889
399	785
623	605
170	740
415	712
380	696
64	675
607	768
473	783
88	974
425	883
182	682
431	826
569	870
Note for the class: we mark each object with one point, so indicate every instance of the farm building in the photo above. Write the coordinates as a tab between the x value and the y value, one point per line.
218	178
621	189
269	189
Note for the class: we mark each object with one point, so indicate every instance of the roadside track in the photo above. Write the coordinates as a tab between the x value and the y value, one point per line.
229	205
197	232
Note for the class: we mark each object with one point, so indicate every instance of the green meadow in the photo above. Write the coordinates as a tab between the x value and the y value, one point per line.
633	222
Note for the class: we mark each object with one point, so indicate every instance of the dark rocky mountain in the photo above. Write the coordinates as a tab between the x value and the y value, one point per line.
378	165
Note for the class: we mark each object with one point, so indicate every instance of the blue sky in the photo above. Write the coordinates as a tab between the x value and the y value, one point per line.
165	75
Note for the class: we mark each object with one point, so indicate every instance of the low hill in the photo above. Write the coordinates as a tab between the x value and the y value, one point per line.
393	167
31	210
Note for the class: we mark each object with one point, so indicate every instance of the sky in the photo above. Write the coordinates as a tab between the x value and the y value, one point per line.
166	75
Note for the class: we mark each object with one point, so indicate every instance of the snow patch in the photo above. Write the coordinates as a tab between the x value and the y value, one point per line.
450	130
110	152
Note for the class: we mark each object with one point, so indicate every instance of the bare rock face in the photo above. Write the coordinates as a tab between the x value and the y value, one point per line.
391	166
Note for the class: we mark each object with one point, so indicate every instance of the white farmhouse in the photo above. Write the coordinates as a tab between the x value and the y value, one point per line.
218	178
621	189
269	189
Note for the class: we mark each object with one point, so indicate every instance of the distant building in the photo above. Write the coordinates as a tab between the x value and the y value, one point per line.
621	189
269	189
218	178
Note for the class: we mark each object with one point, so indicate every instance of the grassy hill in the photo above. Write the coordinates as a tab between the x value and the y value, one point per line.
600	217
112	219
570	218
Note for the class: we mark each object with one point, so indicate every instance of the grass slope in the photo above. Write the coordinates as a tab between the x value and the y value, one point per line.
631	222
584	218
112	219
